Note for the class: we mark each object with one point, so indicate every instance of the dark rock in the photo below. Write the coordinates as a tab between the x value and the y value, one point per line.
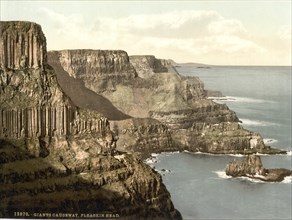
252	167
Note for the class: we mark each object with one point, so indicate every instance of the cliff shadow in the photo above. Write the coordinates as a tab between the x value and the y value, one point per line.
82	96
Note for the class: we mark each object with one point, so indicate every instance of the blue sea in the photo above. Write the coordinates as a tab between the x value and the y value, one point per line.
261	97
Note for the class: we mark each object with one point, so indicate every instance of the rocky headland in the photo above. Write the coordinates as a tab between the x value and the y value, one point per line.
58	156
252	167
167	111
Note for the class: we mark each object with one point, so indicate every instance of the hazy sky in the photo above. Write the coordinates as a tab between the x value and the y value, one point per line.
247	32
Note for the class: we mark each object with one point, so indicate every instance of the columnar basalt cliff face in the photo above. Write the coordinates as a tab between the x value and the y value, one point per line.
58	158
22	45
32	105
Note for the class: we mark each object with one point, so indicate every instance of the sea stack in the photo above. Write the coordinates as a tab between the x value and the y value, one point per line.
252	167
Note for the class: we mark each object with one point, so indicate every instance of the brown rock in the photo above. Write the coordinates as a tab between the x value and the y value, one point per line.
252	167
195	123
22	45
147	66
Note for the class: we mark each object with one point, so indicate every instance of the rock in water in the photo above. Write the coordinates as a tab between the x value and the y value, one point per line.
252	167
58	160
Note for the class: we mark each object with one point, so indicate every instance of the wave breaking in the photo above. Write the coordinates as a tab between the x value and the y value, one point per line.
221	174
239	99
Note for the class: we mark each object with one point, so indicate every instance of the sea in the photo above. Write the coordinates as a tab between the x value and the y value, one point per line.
199	187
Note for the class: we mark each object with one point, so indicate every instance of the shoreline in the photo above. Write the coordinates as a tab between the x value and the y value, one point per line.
154	159
155	155
221	174
284	152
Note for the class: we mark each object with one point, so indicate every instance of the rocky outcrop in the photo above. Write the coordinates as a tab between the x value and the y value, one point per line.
56	157
202	111
98	69
195	123
22	46
147	66
143	136
222	138
212	93
252	167
109	186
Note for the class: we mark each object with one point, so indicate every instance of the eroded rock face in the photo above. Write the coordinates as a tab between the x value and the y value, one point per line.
22	45
80	94
194	122
56	157
143	136
147	66
32	105
81	184
252	167
98	69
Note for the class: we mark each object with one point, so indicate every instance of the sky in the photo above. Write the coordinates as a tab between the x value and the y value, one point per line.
231	32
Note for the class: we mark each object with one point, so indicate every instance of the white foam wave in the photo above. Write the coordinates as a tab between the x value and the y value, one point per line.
249	122
236	155
287	179
154	158
154	155
260	154
150	160
289	153
222	174
169	153
239	99
203	153
251	179
270	140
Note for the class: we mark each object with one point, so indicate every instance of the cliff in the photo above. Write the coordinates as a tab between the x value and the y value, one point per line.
143	136
22	45
56	157
179	103
103	185
98	69
147	66
81	95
